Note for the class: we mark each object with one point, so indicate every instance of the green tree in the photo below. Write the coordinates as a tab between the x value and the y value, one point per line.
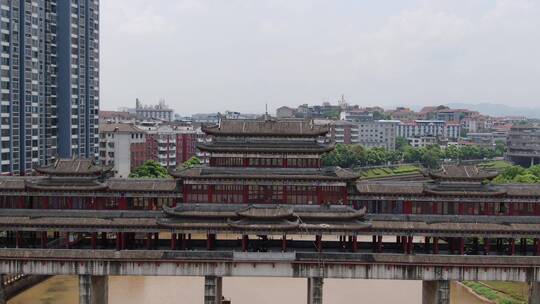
376	156
401	143
193	161
150	169
412	155
452	152
431	158
345	156
500	147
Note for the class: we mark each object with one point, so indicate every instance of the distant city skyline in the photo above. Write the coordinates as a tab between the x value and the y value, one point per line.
203	56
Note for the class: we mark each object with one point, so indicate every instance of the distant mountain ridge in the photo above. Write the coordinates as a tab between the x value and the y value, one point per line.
498	109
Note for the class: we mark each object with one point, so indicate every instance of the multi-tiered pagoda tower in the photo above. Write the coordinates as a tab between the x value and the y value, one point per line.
263	161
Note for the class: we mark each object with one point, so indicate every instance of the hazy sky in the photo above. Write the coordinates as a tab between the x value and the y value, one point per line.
206	56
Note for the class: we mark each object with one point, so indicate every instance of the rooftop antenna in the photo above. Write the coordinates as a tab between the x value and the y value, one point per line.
266	117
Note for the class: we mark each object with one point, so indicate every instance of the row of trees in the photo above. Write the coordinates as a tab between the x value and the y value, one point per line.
518	174
153	169
348	156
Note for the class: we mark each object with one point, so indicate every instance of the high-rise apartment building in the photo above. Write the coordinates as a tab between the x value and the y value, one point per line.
49	81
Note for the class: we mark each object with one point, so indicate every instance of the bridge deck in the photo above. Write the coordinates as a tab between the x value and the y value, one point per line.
385	224
293	264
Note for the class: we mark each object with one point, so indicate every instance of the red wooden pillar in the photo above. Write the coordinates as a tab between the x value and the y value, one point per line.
344	195
122	203
435	245
461	208
185	193
173	241
156	240
45	202
407	207
410	245
486	246
210	193
285	163
354	243
284	243
148	241
21	203
245	194
512	243
285	194
404	244
67	240
461	246
319	195
183	243
93	240
245	241
70	202
379	244
537	246
210	241
523	246
18	239
318	243
118	241
44	240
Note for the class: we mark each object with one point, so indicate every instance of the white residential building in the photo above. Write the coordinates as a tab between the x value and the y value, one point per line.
378	134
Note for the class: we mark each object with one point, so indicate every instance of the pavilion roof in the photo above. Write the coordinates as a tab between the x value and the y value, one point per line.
265	217
266	126
383	187
327	173
74	167
279	146
462	172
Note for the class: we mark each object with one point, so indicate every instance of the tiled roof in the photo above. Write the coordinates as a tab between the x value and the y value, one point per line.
329	173
119	128
462	172
266	127
312	147
73	167
141	185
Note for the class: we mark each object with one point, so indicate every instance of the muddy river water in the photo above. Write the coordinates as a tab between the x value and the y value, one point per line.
188	290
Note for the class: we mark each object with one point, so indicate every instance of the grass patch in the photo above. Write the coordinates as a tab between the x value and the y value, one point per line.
499	292
389	171
495	165
516	290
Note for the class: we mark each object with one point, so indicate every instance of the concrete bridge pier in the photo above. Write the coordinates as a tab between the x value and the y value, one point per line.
534	293
315	291
213	289
93	289
435	292
3	297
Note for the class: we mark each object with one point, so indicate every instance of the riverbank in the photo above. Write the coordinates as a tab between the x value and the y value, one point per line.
500	292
